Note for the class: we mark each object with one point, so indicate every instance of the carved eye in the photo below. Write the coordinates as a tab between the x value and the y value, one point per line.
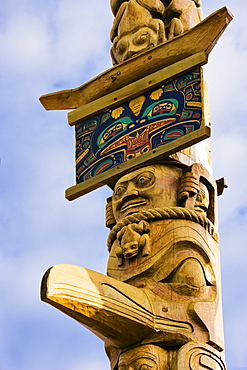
142	39
133	246
119	190
199	197
120	49
144	181
145	367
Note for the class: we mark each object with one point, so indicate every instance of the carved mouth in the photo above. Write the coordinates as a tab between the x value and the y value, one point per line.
130	255
133	204
150	46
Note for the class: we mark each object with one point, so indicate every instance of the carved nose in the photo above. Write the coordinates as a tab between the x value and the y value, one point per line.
129	195
131	190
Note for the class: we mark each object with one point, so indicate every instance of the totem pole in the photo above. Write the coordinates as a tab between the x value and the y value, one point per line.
142	128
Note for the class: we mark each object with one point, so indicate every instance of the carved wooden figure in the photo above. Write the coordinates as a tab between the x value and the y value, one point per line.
163	285
182	266
159	307
133	239
142	24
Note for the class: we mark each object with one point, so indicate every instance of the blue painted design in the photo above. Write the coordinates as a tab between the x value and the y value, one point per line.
162	115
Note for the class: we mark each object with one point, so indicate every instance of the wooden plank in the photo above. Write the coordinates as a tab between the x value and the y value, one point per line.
202	37
136	88
109	177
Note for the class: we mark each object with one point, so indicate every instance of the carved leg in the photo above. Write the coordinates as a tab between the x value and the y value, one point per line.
175	28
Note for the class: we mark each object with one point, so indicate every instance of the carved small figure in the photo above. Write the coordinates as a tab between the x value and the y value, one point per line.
137	27
133	239
202	199
196	191
142	24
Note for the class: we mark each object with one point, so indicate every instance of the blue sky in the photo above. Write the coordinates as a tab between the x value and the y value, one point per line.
52	45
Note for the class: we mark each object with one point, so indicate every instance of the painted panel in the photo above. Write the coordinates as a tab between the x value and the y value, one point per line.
115	136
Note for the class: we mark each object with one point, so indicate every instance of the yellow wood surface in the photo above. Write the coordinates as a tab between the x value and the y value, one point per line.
202	37
137	88
118	313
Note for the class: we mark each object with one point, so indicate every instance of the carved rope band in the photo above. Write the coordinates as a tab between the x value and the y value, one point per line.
155	214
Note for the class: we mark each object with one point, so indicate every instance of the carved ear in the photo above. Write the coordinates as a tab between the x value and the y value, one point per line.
110	219
188	188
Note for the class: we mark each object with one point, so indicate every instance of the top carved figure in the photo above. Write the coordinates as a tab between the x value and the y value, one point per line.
142	24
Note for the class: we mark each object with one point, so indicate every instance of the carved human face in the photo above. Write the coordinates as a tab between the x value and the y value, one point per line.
148	187
202	199
130	250
147	357
125	46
